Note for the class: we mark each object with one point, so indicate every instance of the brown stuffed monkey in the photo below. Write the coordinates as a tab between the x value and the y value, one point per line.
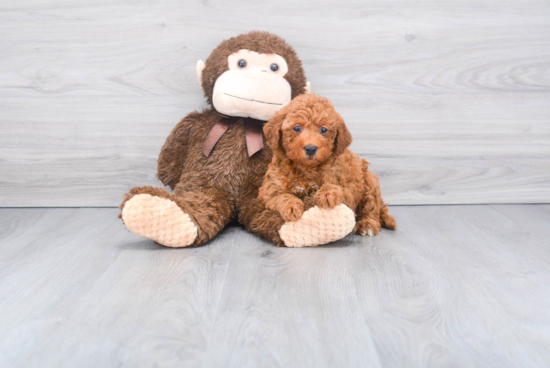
215	160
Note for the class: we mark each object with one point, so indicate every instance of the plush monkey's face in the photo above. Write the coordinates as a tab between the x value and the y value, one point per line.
252	76
254	86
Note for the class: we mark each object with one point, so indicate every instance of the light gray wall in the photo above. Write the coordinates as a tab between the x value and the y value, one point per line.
449	100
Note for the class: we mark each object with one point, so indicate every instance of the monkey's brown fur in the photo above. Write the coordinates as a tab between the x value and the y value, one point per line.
215	189
334	175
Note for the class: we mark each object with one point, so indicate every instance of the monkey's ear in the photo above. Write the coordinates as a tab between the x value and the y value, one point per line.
200	68
272	129
343	138
308	87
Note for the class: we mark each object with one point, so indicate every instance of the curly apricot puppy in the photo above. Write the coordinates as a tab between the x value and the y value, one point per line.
311	161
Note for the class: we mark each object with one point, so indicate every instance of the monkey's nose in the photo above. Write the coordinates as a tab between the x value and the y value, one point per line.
310	149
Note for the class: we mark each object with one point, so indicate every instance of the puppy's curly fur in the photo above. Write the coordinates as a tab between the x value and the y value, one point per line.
312	166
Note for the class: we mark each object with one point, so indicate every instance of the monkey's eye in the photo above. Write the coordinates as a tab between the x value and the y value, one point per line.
323	130
242	63
274	67
297	129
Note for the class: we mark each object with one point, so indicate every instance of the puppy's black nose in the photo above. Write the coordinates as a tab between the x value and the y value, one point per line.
310	149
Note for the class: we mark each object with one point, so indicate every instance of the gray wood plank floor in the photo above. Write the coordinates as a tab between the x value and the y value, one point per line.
461	286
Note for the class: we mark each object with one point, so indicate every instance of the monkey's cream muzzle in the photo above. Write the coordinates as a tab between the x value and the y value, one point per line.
250	94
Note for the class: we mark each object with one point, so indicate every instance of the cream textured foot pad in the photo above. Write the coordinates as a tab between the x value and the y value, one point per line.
318	226
159	219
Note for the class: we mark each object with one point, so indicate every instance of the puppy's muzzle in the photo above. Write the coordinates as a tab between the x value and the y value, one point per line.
310	150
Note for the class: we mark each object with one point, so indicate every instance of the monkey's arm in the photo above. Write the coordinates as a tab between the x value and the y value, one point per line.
174	151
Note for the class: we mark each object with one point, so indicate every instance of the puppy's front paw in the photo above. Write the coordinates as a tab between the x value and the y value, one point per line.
329	196
292	211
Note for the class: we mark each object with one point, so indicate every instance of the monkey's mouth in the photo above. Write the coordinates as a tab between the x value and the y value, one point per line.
249	99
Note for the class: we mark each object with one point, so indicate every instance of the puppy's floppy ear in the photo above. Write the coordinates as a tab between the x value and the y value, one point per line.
272	129
343	138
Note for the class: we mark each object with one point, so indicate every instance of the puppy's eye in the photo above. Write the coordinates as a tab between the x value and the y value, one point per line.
274	67
297	129
323	130
242	63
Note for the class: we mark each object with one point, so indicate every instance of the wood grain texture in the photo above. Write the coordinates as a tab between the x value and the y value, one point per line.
448	100
463	286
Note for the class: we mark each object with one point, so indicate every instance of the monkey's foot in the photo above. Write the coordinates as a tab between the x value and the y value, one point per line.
159	219
318	226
